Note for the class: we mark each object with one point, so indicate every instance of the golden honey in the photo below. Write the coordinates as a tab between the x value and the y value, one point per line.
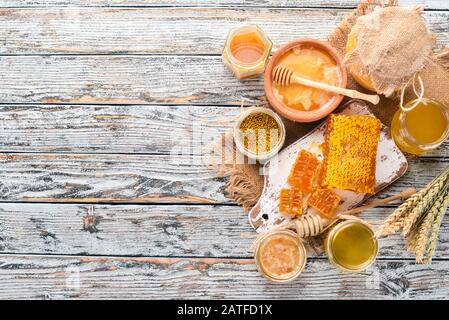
246	51
351	245
305	172
350	150
247	47
311	63
421	129
361	79
280	256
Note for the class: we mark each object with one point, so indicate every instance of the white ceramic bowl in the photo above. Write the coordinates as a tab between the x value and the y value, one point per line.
262	156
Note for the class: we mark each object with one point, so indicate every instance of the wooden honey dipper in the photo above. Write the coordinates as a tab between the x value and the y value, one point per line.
313	225
284	76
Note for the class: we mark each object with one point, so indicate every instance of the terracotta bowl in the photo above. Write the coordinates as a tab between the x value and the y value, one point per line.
280	106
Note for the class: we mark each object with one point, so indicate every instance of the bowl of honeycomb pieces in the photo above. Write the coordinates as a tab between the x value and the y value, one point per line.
314	60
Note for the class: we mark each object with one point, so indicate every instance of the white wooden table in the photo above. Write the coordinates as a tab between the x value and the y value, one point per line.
102	186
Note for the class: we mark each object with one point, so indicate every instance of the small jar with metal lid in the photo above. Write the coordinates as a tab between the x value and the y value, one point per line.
351	245
280	256
246	51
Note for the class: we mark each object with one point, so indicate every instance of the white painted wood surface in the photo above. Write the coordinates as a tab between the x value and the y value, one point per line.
197	30
151	230
429	4
136	129
56	277
93	204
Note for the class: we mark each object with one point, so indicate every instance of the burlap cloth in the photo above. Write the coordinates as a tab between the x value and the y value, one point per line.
245	182
403	44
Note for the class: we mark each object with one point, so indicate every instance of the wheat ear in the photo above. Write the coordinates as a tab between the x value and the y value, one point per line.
436	227
395	221
427	197
419	238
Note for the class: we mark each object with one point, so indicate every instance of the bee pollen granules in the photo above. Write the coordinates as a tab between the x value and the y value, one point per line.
260	132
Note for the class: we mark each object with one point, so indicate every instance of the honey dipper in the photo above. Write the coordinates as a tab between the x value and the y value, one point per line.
284	76
313	225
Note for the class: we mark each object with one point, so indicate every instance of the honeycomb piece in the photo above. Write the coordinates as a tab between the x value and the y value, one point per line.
291	202
284	201
305	173
325	201
350	149
296	203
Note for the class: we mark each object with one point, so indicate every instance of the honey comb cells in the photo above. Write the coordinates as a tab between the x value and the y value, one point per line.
305	172
350	150
325	201
291	202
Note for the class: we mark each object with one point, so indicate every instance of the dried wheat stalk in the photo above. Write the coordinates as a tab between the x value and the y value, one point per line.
436	229
419	218
428	197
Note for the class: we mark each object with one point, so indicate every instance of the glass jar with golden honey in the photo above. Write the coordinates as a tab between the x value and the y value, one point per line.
280	256
422	128
351	245
246	51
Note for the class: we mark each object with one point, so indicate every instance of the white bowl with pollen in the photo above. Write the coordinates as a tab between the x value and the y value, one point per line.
238	135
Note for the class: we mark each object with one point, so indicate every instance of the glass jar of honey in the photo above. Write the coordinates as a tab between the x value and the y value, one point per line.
280	256
246	51
421	129
351	245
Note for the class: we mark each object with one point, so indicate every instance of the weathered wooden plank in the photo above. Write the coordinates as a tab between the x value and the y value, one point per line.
112	129
154	230
138	178
117	129
124	80
137	30
116	178
28	277
429	4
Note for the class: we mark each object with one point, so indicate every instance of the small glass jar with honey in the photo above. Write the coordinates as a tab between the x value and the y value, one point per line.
246	51
420	129
351	245
280	256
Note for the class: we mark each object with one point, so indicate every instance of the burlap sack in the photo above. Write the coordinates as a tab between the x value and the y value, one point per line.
435	73
403	46
245	183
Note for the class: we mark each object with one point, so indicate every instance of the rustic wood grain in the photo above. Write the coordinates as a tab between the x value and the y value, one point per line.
137	30
112	129
429	4
35	277
155	129
124	80
153	230
138	178
108	178
96	113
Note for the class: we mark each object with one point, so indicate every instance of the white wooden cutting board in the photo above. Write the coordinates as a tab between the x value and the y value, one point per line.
391	164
